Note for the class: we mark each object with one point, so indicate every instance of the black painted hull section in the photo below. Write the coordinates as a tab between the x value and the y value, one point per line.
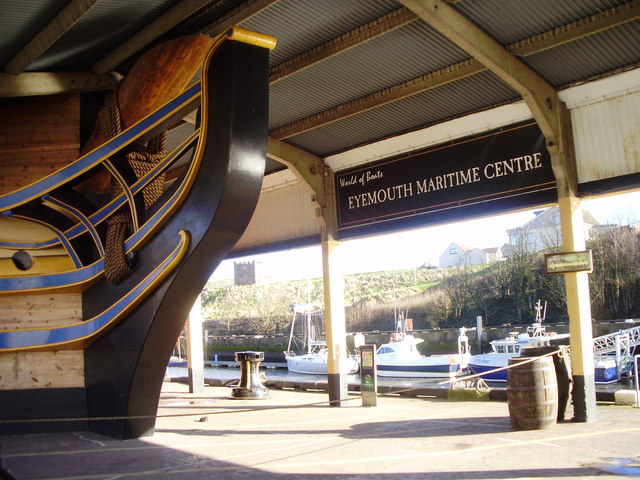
124	369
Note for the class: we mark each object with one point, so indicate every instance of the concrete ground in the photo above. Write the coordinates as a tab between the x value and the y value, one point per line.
296	435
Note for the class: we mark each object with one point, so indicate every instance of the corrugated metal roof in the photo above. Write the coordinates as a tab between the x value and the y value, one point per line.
105	26
21	21
396	57
300	25
371	67
419	111
513	20
589	57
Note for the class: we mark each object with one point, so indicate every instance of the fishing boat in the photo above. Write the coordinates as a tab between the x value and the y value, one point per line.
612	352
606	369
400	357
502	350
307	350
511	346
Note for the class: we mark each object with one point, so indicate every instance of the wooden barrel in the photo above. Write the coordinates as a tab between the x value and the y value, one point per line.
562	364
532	393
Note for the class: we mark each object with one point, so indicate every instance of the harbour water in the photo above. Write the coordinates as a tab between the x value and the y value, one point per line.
276	375
227	374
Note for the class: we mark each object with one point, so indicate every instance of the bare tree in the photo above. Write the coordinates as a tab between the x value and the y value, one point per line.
616	275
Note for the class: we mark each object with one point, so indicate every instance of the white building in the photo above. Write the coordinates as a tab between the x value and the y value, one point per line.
459	254
543	231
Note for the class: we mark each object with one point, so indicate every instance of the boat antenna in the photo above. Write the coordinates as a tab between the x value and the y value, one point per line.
540	314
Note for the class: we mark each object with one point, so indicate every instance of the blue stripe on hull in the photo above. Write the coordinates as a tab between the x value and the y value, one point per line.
96	156
500	376
420	368
436	371
70	335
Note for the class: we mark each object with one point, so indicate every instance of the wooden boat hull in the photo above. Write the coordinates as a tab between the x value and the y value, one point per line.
125	361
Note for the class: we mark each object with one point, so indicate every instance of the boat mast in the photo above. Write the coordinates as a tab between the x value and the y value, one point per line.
293	323
309	339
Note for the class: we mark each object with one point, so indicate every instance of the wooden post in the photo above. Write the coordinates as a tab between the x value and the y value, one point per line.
319	180
579	310
195	356
577	283
333	297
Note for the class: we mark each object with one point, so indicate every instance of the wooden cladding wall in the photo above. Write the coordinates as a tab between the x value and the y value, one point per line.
38	135
29	370
39	311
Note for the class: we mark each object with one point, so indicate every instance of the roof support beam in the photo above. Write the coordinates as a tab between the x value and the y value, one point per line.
62	22
553	119
540	96
309	169
144	37
29	84
353	38
318	179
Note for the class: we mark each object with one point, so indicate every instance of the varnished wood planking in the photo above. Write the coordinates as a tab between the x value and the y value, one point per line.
13	177
17	230
38	135
31	370
39	121
42	155
39	311
36	370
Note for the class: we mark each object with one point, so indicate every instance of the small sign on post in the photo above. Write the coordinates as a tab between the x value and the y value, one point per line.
567	262
368	379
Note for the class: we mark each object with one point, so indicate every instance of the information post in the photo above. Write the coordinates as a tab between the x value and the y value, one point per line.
368	378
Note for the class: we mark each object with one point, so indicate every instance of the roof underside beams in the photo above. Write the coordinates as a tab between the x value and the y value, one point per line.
539	95
46	37
452	73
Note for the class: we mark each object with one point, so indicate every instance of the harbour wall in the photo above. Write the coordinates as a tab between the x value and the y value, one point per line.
436	341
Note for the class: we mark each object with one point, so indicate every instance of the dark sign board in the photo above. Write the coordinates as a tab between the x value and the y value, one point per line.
489	173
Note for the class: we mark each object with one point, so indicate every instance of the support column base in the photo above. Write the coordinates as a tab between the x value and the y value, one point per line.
584	398
338	388
196	380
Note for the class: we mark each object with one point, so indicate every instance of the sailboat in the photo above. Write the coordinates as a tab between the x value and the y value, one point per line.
307	349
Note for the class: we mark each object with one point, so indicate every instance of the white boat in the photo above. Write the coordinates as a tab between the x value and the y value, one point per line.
307	350
400	357
511	346
504	349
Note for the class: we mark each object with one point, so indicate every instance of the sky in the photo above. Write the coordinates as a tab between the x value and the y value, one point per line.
417	247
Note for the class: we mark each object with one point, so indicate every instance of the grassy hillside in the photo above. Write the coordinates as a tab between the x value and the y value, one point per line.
264	308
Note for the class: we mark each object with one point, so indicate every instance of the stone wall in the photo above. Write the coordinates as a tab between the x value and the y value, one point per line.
437	341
